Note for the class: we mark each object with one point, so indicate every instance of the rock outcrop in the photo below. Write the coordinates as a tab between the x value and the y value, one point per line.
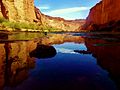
103	14
18	10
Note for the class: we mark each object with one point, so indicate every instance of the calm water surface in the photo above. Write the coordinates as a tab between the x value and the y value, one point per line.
69	61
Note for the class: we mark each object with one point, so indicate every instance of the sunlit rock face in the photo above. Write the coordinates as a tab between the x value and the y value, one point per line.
18	10
38	14
62	24
104	12
59	23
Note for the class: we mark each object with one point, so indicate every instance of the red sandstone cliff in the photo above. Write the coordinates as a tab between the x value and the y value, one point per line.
103	14
59	23
17	10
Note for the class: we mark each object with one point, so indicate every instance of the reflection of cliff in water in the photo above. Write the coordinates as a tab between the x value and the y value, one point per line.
108	56
3	36
60	39
15	62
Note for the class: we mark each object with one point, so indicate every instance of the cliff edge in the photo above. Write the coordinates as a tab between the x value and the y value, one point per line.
104	15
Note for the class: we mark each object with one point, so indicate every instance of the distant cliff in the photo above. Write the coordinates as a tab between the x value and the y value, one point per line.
104	15
59	23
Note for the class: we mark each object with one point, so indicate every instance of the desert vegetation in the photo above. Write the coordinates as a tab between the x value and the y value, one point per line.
19	26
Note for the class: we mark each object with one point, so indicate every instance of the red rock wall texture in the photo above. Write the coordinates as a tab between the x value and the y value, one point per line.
18	10
104	12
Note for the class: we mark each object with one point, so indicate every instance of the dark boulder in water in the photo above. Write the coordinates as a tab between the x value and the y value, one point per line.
43	51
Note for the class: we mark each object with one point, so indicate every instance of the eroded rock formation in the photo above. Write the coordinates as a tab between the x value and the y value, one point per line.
18	10
59	23
62	24
103	14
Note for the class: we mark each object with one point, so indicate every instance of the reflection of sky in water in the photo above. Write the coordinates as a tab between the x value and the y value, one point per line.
68	69
69	47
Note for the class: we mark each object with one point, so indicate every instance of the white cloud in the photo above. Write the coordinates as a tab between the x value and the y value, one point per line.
43	7
69	13
67	10
63	50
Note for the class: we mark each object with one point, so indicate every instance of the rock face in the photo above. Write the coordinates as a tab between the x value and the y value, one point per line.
18	10
62	24
59	23
102	13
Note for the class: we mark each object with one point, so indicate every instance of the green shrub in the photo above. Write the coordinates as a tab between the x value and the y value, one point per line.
23	25
12	25
3	20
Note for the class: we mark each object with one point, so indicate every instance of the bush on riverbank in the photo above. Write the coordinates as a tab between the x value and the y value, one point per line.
18	26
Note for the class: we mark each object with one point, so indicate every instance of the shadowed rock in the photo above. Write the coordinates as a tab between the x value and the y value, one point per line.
43	51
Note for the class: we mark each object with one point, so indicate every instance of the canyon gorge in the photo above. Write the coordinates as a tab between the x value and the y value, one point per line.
103	16
25	11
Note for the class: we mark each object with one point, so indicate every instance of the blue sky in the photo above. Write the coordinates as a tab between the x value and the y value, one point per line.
68	9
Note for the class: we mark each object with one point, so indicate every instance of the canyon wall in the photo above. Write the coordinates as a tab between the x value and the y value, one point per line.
25	11
58	23
103	13
18	10
62	24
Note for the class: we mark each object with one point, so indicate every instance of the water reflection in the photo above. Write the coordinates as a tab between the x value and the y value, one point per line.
107	54
15	62
60	62
82	51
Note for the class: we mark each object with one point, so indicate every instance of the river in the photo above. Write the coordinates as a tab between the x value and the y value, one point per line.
59	61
